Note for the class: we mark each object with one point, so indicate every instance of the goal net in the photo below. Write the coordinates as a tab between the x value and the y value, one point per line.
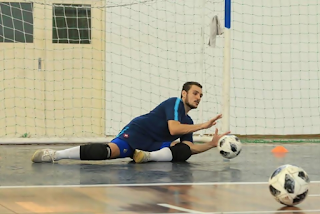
81	70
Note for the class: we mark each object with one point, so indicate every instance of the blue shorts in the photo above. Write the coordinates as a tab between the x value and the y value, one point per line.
127	151
137	139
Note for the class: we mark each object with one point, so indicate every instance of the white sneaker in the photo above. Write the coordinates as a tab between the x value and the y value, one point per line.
43	156
141	156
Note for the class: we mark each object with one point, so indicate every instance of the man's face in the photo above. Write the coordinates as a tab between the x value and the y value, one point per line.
193	97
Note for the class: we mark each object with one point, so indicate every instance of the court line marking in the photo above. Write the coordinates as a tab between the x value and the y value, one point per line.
179	208
236	212
142	184
270	212
314	195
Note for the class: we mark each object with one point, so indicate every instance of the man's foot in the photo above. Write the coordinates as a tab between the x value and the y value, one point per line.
141	156
43	156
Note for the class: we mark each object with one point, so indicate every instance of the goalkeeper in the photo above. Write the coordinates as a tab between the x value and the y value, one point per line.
149	137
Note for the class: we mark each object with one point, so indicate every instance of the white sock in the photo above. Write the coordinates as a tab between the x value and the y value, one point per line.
71	153
161	155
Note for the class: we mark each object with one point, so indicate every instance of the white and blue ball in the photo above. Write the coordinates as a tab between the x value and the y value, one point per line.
229	146
289	185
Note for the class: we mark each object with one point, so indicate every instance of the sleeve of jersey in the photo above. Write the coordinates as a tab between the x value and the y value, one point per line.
173	110
187	137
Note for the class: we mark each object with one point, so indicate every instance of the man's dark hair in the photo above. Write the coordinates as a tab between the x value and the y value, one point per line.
186	87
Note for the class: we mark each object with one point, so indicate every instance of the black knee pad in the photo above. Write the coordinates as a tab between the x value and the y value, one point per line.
95	151
180	152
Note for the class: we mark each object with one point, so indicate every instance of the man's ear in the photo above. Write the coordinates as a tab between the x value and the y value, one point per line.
184	93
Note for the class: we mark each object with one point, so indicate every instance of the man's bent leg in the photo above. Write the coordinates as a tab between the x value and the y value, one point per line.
176	152
180	152
163	154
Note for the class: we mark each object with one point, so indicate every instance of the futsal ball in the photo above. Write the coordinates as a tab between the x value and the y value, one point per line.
289	185
229	146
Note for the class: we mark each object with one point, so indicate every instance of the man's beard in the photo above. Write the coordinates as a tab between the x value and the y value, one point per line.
189	105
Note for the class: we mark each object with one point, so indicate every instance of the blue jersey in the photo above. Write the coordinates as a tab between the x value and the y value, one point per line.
149	131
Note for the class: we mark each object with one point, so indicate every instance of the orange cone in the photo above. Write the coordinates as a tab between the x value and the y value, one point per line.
279	151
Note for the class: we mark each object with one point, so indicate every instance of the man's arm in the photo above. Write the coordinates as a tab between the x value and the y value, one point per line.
199	148
176	128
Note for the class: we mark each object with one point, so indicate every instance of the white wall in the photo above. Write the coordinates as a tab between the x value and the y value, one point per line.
155	46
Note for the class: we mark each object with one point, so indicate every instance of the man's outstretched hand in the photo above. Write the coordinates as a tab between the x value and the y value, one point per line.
211	122
216	137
